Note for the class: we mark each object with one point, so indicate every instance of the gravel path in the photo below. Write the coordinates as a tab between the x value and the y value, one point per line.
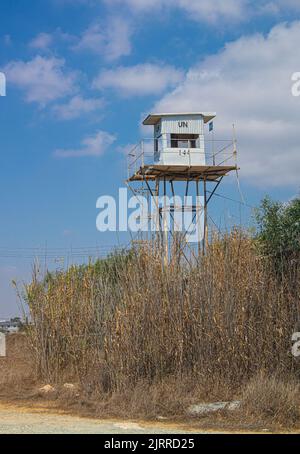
15	420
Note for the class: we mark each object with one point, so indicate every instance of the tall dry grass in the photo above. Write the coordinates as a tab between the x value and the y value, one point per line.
217	323
271	399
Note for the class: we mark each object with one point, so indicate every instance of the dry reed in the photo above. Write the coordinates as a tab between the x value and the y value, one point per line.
216	324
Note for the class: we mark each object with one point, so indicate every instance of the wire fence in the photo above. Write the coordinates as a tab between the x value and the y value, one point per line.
58	254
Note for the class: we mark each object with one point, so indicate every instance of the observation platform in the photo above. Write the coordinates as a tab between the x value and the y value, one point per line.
214	162
181	173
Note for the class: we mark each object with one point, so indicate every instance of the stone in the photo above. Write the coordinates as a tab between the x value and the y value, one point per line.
204	409
69	386
47	389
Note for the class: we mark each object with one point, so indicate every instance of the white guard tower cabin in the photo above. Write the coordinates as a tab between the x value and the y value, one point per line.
178	151
179	138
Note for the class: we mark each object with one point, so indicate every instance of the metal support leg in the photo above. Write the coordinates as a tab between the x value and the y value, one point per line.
205	239
198	218
166	233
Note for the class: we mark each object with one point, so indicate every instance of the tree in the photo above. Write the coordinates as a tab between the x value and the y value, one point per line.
279	229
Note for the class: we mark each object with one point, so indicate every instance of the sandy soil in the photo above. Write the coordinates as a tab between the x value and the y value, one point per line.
22	420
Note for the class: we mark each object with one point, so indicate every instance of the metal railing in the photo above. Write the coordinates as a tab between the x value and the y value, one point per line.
148	151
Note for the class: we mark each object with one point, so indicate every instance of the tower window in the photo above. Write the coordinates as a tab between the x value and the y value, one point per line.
184	140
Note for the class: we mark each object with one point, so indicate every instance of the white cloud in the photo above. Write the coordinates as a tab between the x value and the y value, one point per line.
95	145
284	4
212	11
42	41
204	10
209	11
111	39
249	83
144	79
43	79
77	106
274	7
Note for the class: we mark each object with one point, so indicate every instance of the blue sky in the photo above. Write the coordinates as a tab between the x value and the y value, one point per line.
80	76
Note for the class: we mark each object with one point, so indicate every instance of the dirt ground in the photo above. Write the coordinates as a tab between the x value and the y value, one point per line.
38	420
17	370
25	409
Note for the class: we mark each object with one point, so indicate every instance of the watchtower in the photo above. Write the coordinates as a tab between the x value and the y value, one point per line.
179	152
